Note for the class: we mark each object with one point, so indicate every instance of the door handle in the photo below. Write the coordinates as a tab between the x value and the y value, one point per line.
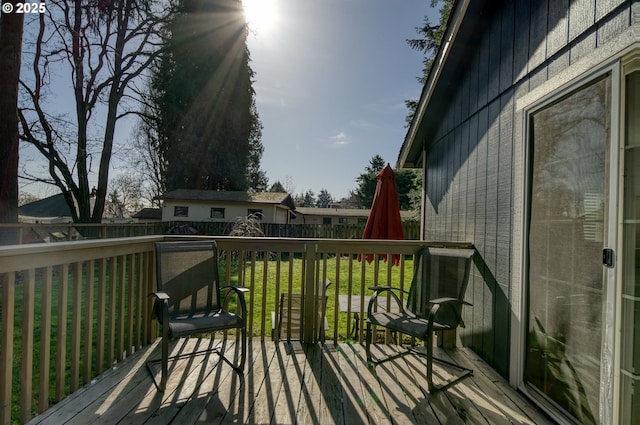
608	257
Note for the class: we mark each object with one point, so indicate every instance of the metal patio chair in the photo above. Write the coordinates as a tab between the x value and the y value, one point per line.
189	300
433	304
289	316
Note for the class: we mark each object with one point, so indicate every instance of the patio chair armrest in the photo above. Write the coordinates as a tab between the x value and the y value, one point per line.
239	291
445	300
380	290
437	302
161	306
159	295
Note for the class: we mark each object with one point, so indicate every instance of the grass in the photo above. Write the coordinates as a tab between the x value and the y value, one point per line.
348	277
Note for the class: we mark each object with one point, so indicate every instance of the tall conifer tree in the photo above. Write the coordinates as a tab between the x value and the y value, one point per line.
208	128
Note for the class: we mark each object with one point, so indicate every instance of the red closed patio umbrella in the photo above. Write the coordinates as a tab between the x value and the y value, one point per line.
384	220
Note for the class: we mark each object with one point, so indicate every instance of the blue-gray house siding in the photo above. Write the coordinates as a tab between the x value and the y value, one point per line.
503	50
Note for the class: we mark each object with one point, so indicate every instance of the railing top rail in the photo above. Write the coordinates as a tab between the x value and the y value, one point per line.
21	257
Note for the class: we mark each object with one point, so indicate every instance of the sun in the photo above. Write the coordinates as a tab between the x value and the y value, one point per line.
260	14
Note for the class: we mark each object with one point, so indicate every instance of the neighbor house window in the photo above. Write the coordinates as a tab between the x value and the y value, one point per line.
342	220
326	220
217	212
256	212
181	211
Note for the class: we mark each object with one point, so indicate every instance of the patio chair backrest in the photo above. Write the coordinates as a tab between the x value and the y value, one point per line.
188	272
440	273
290	315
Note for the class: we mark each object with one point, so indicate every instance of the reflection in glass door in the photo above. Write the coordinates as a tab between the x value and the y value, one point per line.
566	234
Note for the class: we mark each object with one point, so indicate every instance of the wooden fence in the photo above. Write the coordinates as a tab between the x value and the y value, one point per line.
24	233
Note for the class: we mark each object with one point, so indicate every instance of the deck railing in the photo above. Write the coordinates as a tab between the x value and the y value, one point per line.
71	310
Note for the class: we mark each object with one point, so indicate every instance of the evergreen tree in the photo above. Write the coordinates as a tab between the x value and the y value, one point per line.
209	131
309	199
368	180
324	199
256	177
407	182
430	37
277	187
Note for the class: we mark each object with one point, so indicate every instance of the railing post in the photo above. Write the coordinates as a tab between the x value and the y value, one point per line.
309	289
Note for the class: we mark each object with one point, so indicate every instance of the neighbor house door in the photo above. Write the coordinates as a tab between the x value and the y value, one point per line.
567	226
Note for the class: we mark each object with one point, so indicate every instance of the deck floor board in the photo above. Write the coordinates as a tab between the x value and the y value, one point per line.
292	384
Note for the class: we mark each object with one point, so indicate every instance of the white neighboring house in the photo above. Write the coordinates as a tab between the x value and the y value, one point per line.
225	206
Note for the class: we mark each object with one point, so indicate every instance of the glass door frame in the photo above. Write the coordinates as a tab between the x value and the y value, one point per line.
609	369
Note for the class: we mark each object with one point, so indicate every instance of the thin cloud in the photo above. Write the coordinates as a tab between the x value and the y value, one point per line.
340	139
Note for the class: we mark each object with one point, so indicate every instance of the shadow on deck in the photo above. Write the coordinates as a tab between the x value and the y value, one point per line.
288	383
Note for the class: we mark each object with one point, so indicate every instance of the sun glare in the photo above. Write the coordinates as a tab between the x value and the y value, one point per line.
260	14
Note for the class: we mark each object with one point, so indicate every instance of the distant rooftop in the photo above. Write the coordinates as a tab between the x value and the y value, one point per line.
53	206
229	196
346	212
149	213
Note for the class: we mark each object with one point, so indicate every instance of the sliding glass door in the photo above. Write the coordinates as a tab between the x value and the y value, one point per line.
568	199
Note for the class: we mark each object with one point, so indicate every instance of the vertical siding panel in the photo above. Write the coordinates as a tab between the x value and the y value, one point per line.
494	57
428	195
481	331
581	17
464	186
603	7
470	219
505	188
465	97
457	117
559	63
503	235
442	183
449	212
506	46
583	45
558	25
521	39
455	186
472	178
491	198
614	25
538	33
473	86
491	223
482	57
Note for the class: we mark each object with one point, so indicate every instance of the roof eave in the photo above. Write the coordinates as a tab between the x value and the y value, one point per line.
410	155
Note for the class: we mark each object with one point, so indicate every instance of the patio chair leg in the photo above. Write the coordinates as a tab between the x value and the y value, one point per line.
429	346
368	345
243	356
165	362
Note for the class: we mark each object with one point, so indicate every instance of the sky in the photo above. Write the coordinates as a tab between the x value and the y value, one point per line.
331	80
332	77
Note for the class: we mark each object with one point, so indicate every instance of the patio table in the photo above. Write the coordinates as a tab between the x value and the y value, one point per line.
353	301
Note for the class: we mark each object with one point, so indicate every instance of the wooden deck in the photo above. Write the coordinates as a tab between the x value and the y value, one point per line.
286	384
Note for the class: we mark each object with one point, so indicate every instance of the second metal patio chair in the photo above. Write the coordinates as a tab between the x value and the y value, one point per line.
433	304
288	324
189	300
